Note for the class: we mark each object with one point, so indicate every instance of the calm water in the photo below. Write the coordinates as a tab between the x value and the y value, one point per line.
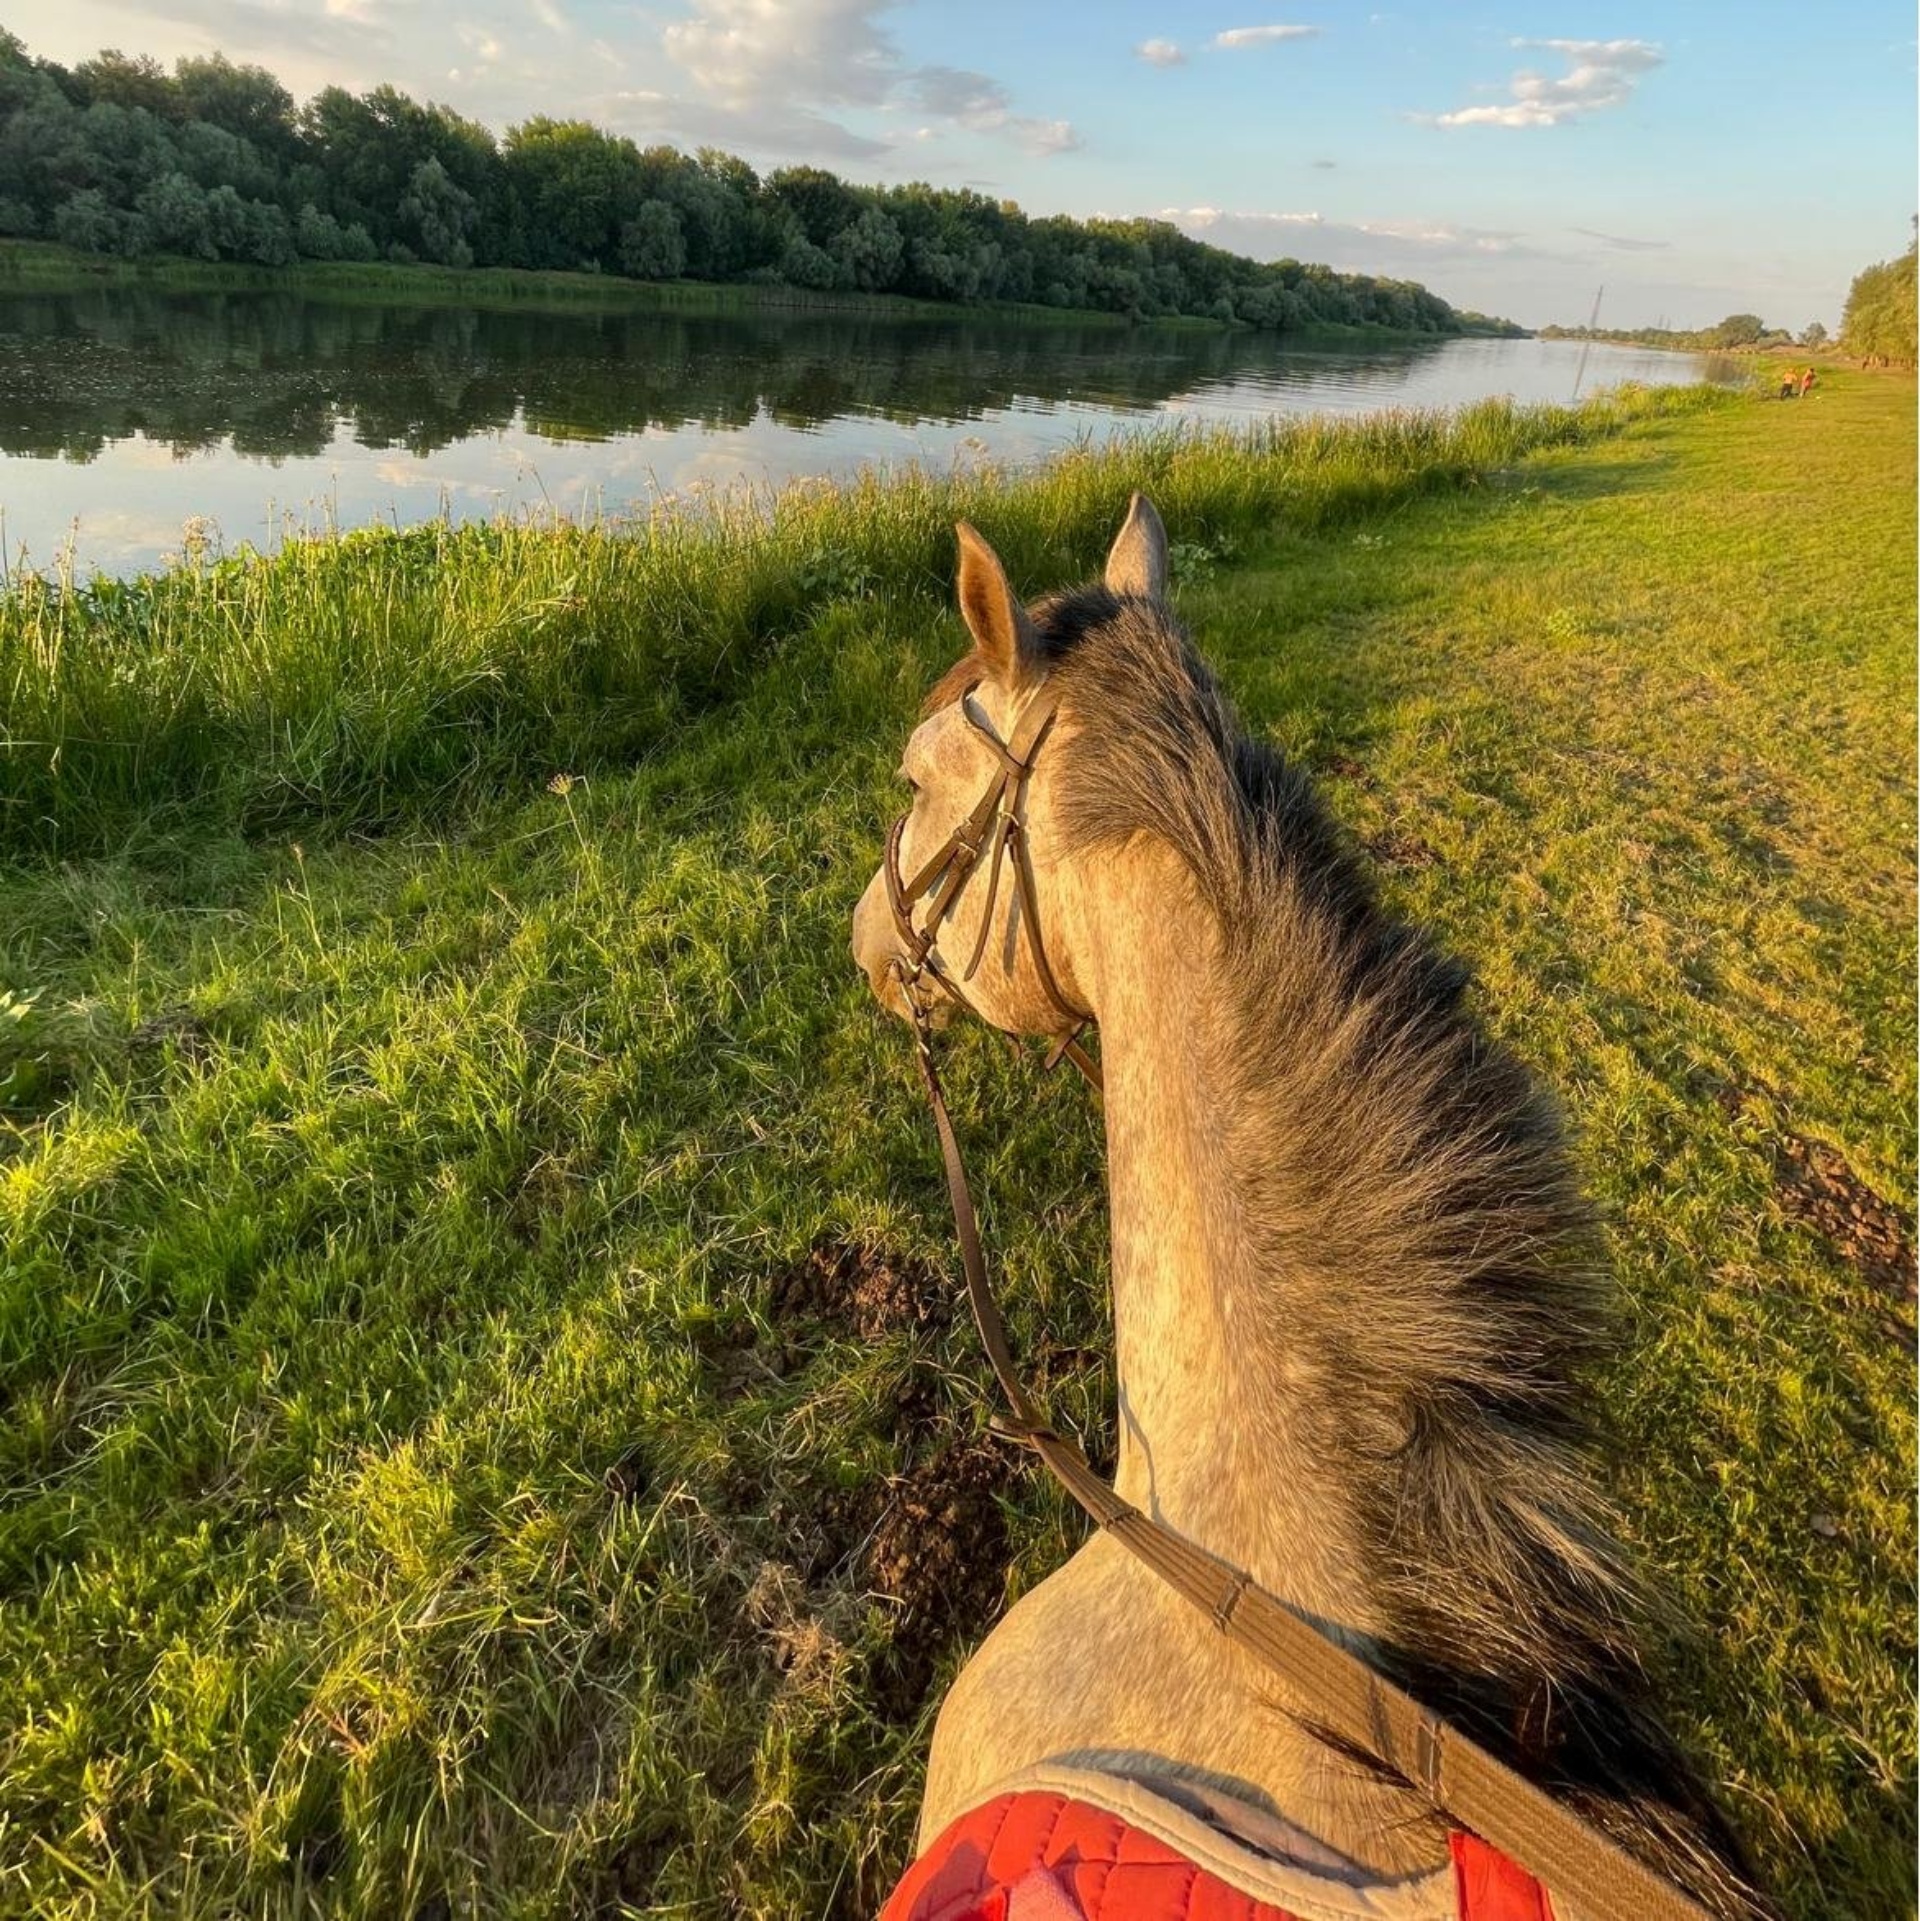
125	413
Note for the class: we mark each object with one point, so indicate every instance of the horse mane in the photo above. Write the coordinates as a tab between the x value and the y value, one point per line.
1418	1227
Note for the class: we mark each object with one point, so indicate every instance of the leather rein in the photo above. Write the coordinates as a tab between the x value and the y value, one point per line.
1331	1688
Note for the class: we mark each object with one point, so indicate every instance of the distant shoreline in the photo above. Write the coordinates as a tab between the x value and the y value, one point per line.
38	266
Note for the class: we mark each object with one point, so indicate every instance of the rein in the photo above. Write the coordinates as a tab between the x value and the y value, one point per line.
1594	1876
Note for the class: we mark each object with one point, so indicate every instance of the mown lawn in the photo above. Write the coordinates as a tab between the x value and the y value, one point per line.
483	1430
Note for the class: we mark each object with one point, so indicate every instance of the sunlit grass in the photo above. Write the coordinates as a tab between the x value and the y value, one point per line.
346	675
382	1529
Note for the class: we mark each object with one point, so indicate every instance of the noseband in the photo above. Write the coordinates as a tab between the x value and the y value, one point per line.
997	819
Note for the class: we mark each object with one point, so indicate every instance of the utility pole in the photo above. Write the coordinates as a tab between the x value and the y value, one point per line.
1593	320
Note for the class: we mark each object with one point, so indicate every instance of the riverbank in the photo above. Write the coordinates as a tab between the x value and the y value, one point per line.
341	677
39	266
486	1425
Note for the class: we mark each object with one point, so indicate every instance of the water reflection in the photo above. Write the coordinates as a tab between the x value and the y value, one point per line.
124	411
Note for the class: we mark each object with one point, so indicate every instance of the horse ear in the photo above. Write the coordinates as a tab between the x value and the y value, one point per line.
996	620
1137	563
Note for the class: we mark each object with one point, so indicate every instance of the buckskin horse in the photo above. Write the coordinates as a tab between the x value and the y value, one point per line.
1353	1638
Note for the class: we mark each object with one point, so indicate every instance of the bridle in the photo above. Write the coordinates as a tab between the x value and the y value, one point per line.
1332	1689
999	817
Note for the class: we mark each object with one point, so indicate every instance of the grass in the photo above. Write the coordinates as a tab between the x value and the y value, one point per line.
343	675
420	1492
40	265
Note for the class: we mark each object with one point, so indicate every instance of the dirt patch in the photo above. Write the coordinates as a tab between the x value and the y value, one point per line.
315	1858
867	1289
939	1552
1819	1190
542	1194
628	1479
630	1877
825	1531
179	1028
1399	848
1345	767
738	1362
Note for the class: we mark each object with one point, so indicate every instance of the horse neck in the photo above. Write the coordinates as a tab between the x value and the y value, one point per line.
1216	1415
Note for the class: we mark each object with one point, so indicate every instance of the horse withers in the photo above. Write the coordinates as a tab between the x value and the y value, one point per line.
1354	1289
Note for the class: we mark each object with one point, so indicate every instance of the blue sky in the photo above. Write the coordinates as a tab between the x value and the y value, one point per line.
1696	158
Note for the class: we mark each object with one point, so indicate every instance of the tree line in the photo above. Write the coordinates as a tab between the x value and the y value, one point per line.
1738	330
215	161
1880	322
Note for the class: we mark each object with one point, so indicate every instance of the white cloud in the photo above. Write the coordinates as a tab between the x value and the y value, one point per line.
978	103
1399	247
776	80
783	60
1262	36
1161	53
789	132
1624	242
824	52
276	33
1046	136
1600	73
954	93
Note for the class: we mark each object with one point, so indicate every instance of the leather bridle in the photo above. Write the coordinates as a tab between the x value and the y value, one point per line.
1330	1688
995	828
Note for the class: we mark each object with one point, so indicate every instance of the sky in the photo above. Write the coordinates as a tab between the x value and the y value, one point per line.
1693	157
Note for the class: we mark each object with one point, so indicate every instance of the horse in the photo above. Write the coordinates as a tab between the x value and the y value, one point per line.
1355	1294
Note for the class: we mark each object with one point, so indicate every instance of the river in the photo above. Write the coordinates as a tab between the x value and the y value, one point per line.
128	413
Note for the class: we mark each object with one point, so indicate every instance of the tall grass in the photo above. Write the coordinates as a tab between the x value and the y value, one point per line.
346	673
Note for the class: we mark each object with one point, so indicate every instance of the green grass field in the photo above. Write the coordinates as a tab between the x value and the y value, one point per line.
483	1429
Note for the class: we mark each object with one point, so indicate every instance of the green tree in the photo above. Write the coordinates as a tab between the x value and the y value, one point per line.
227	223
213	159
573	190
85	221
819	201
1879	321
269	241
247	102
317	235
125	81
1737	330
652	244
175	210
435	216
870	250
802	264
